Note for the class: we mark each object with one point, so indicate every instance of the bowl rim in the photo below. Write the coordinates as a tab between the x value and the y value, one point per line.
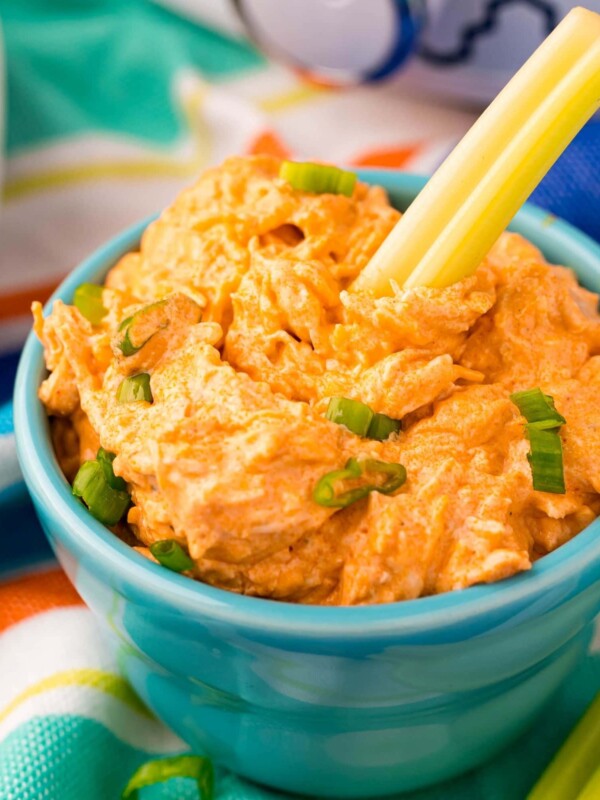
50	489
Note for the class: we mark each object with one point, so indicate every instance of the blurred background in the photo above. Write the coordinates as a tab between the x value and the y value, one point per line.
109	107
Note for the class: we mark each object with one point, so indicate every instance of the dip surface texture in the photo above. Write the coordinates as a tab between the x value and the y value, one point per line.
255	331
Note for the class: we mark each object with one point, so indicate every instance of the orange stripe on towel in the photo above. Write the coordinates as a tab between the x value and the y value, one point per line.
267	143
33	593
387	156
18	303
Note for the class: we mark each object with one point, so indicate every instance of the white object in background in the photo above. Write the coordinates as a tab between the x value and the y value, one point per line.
341	41
349	40
469	50
465	50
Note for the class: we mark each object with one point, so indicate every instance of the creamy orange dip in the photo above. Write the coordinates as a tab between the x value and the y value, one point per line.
258	331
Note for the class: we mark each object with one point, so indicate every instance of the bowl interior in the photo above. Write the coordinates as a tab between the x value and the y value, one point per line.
560	243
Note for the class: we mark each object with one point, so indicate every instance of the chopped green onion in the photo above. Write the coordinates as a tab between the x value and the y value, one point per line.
171	555
546	460
106	460
396	472
538	408
324	492
127	348
196	768
88	299
318	178
382	427
569	770
142	326
545	455
361	419
124	323
135	388
356	416
106	504
546	425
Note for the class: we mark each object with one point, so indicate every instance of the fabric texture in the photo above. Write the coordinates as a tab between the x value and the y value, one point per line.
95	141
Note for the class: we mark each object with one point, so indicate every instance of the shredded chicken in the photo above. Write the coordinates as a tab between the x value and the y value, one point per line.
258	329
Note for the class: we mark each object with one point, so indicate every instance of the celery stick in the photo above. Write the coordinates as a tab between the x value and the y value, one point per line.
576	760
465	206
591	790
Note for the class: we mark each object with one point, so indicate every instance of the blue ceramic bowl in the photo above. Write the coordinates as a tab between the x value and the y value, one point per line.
347	702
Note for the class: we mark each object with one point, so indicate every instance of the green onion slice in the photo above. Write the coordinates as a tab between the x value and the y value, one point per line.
382	427
324	492
361	419
545	455
318	178
88	299
197	768
124	323
141	327
171	555
396	474
106	460
135	388
538	408
546	460
104	502
356	416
